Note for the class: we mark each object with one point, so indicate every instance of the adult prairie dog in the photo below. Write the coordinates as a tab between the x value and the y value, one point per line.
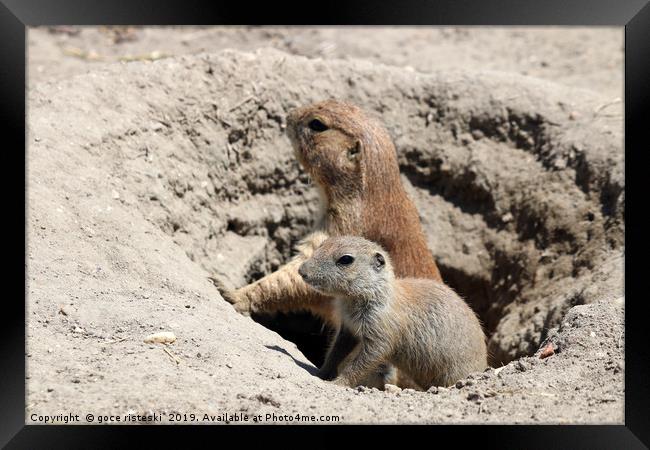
420	326
352	161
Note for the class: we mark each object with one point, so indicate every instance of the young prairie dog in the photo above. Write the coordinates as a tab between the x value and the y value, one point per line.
420	326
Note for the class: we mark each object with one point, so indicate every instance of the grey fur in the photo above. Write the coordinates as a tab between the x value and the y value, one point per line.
420	326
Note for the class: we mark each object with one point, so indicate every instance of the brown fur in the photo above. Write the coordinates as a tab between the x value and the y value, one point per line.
354	165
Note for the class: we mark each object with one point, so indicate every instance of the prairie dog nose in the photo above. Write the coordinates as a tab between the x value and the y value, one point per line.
293	118
302	270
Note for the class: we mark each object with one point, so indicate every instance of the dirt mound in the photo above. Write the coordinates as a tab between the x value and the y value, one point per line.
574	56
146	178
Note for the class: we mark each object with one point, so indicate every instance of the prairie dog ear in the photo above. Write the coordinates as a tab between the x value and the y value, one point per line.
354	152
379	261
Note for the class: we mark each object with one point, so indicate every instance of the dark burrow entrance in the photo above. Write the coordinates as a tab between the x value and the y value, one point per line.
308	332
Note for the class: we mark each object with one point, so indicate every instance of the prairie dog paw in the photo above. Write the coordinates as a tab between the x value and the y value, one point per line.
240	302
326	374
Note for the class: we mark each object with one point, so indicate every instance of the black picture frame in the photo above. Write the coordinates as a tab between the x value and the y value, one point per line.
634	15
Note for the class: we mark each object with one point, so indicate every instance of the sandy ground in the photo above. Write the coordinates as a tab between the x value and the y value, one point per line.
590	58
149	172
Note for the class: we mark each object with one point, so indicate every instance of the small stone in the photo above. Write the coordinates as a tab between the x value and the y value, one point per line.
165	337
547	351
474	397
50	389
477	134
507	217
460	384
115	194
392	389
522	366
228	365
433	390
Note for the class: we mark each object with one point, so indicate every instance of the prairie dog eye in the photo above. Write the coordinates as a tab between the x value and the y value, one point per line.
380	261
317	126
345	260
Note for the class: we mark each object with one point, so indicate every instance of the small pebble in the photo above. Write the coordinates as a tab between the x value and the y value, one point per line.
165	337
547	351
392	389
522	366
477	134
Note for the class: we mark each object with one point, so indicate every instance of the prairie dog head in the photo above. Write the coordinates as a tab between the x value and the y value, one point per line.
336	142
348	266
